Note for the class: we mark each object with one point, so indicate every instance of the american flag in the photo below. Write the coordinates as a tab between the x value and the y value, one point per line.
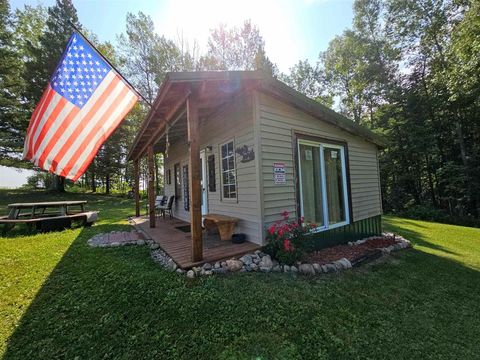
83	104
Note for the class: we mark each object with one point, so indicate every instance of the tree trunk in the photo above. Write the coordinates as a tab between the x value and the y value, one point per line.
58	184
94	184
107	184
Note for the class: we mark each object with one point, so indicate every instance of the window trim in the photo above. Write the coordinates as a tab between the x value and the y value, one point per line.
222	197
321	143
177	190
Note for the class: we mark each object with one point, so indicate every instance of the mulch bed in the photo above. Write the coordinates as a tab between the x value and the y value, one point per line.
355	254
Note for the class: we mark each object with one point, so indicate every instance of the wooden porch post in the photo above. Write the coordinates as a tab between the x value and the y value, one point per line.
151	187
194	178
136	189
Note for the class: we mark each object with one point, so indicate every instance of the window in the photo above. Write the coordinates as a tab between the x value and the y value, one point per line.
176	175
228	171
323	184
211	173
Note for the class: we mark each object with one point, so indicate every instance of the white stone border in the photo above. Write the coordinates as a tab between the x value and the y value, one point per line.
256	262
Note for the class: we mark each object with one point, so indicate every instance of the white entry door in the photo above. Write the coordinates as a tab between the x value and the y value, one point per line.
203	182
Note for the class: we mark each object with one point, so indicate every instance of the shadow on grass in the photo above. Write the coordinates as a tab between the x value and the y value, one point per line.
116	303
397	226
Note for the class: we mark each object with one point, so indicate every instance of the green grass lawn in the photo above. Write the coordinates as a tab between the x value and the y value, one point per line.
62	299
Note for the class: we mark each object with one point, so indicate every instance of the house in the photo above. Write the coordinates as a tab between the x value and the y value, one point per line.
244	144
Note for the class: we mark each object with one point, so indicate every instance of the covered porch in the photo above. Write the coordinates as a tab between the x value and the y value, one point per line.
183	103
177	243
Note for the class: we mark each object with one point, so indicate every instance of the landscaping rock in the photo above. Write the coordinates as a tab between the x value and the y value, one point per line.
286	268
190	274
234	265
207	266
246	259
293	269
220	270
277	268
331	268
140	242
306	269
317	268
346	263
154	246
180	271
217	265
265	269
197	270
266	262
254	267
324	268
171	265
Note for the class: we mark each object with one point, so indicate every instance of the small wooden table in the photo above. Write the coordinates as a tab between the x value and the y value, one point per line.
225	224
40	214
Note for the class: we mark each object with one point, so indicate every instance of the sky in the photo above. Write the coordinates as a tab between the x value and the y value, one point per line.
293	30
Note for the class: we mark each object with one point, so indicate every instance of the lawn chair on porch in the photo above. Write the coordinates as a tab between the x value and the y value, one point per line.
163	209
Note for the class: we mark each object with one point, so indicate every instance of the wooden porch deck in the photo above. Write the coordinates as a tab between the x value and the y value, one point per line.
178	244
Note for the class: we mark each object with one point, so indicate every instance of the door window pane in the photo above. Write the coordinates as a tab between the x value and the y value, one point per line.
228	171
334	184
310	174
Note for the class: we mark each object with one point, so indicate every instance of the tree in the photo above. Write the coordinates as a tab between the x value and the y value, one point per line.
308	80
145	56
12	85
237	48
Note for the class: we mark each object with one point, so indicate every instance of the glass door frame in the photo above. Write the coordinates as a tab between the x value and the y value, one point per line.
320	145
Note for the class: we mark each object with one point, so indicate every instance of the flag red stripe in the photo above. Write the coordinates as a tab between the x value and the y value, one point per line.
42	107
68	131
121	96
58	157
61	129
46	126
37	108
98	144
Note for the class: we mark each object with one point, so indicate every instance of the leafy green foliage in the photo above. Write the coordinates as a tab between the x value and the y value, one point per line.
289	241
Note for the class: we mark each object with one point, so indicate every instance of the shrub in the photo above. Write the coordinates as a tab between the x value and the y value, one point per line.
288	241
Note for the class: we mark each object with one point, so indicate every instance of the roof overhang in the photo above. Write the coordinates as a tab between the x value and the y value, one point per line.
214	88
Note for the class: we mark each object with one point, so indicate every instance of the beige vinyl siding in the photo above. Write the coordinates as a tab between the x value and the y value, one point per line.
232	122
278	122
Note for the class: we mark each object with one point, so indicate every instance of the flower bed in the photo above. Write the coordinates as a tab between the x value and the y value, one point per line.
351	253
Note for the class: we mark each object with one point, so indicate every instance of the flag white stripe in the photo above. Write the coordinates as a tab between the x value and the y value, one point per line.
51	131
78	119
88	126
51	106
112	118
34	121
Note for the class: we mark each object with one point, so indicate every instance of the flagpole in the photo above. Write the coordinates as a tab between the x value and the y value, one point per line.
108	62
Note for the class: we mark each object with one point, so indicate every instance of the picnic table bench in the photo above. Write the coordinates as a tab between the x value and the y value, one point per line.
41	216
225	224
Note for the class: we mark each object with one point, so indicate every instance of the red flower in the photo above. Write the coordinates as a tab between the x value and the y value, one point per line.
287	245
271	229
285	215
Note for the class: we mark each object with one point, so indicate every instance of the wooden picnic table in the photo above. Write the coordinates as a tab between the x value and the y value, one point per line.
41	214
225	224
16	208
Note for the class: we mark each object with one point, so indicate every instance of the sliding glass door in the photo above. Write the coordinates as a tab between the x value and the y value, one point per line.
323	185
